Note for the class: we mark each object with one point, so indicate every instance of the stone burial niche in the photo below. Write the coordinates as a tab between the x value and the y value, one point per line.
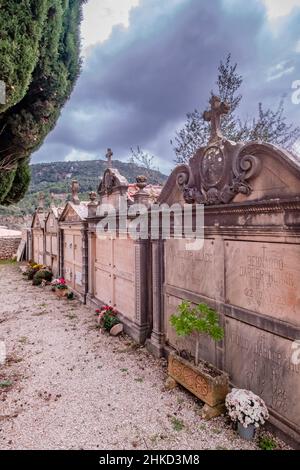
52	239
248	268
120	266
37	251
73	244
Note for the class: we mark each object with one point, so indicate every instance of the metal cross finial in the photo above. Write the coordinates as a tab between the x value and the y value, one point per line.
109	156
218	108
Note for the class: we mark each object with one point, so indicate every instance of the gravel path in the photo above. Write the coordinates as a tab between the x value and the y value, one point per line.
68	387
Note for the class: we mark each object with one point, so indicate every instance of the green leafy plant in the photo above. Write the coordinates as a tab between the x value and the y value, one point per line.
5	383
42	275
200	319
107	317
32	269
267	443
177	424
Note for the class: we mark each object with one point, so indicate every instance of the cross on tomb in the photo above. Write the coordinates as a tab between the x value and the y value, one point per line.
218	108
109	155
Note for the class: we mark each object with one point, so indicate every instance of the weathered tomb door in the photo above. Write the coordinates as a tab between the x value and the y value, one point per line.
114	274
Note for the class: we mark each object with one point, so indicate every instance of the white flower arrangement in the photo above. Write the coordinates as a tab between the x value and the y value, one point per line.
246	407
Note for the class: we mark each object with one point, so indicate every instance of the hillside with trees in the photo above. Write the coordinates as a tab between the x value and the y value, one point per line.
39	65
56	178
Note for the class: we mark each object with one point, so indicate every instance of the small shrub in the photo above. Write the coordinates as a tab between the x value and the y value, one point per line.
32	269
5	383
177	424
267	443
107	317
42	275
200	319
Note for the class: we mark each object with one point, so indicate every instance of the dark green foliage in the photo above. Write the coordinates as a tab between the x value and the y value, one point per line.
31	272
21	26
20	184
267	443
42	275
109	320
200	319
6	181
39	62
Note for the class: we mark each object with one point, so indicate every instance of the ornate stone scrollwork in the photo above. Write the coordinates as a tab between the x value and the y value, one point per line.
183	176
220	182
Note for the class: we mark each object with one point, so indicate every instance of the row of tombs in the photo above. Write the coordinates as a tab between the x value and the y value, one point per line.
248	268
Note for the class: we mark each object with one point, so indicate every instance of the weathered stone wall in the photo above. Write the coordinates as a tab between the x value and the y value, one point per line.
9	247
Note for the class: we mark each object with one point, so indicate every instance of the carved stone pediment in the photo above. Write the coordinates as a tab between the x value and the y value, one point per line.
74	212
38	220
70	215
112	181
217	173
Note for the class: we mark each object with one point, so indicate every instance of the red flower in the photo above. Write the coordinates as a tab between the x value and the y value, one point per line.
97	310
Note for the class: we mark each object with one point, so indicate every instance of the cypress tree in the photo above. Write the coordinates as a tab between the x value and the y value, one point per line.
39	63
19	185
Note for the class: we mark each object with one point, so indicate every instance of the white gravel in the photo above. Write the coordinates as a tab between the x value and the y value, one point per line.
73	388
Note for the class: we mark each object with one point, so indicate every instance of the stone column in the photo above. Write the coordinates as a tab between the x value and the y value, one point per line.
142	275
91	263
61	252
85	261
157	340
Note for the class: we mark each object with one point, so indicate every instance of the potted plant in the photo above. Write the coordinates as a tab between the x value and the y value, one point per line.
32	269
107	319
60	287
202	379
42	277
246	409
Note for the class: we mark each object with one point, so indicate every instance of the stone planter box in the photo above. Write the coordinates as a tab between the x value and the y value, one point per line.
206	382
61	293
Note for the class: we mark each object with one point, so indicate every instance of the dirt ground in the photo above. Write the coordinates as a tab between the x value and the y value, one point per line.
65	385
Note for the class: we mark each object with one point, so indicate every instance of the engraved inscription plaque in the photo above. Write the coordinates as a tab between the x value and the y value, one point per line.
199	271
264	278
262	362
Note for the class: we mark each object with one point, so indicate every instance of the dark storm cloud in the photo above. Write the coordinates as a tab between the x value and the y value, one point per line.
137	86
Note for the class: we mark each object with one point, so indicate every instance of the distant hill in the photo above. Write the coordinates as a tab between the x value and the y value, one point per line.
57	177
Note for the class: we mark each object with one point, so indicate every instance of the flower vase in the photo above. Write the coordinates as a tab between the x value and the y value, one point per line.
246	433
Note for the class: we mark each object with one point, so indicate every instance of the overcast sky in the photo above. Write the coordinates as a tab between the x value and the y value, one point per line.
148	62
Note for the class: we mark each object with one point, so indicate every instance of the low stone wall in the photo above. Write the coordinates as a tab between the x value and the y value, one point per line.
9	247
